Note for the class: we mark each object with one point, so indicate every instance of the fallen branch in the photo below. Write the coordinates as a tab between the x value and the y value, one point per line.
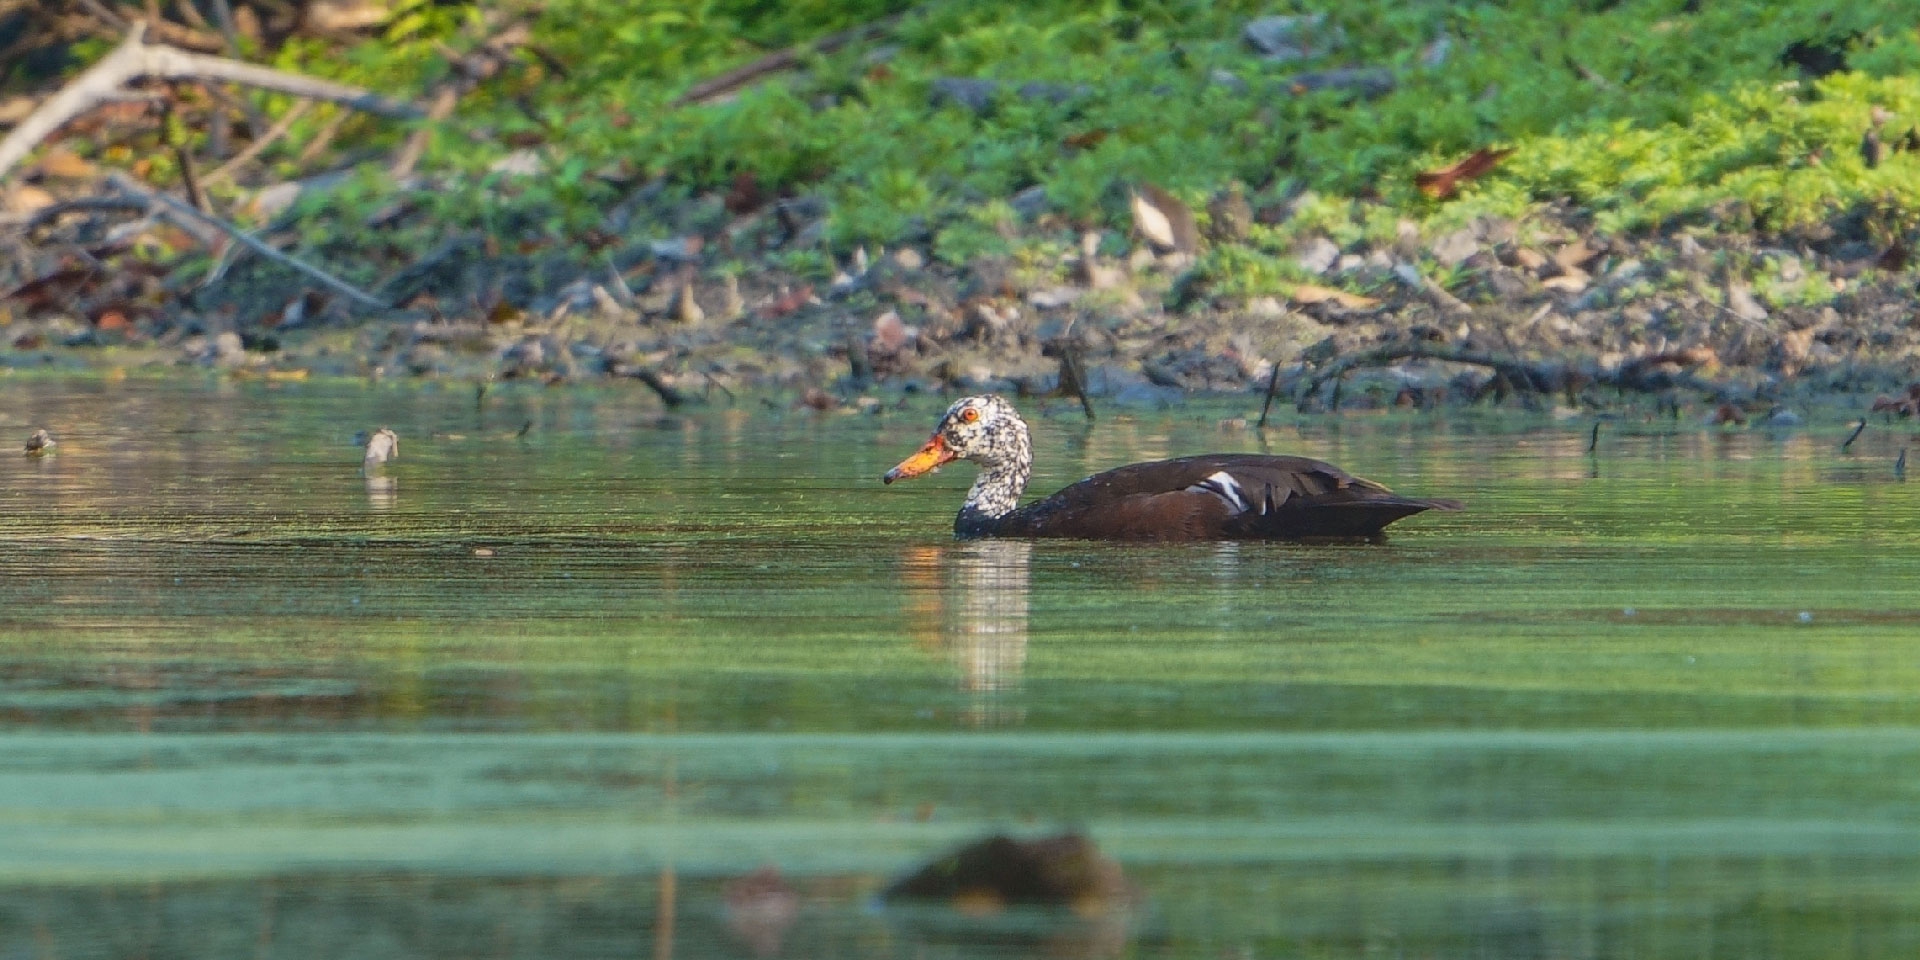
707	91
668	395
103	82
1635	374
177	210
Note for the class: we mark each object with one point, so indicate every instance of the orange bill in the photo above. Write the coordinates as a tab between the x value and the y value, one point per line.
928	458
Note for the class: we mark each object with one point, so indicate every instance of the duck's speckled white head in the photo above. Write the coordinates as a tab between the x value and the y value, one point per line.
988	431
984	429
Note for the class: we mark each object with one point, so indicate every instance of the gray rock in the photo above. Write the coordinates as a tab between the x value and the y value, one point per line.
1285	38
1319	255
227	350
1053	297
519	163
1453	248
1741	301
1368	82
1507	282
973	93
1029	203
1221	77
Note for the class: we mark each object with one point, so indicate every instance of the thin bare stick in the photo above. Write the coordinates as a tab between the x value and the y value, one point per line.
1855	435
134	57
1073	380
178	208
1273	381
470	71
323	138
183	157
1593	442
707	91
265	140
442	107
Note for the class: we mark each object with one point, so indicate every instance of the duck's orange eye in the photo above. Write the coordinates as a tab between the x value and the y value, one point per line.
969	414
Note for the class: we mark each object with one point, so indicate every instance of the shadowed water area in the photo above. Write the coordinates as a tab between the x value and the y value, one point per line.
554	693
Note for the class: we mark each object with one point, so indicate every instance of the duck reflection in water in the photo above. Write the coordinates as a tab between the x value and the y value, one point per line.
969	599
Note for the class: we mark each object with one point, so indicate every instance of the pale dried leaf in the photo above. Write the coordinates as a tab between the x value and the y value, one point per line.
1164	221
1313	293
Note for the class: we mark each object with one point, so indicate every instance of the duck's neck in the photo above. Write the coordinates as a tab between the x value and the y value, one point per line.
995	493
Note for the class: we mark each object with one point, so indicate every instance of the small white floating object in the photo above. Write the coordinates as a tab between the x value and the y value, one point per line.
1806	616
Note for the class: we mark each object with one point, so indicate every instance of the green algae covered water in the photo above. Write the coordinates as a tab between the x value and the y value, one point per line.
583	667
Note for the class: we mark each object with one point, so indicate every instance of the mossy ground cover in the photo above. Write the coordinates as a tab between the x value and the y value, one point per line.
1743	115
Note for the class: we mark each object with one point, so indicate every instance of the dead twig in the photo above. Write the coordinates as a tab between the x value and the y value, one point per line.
178	210
1855	435
262	142
1073	380
182	156
469	72
1273	383
134	57
707	91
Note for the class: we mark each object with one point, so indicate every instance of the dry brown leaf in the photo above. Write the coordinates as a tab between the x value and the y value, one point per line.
60	162
15	109
26	198
1574	254
1312	293
1443	183
1085	138
1573	281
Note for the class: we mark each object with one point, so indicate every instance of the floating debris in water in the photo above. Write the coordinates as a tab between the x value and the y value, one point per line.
40	443
1806	616
384	445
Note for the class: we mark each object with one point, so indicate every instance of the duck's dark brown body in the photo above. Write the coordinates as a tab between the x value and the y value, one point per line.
1270	498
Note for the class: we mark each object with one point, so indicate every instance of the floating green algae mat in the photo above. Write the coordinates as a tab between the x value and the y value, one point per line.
556	687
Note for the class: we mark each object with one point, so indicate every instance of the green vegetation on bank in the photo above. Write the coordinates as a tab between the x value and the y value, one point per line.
1642	111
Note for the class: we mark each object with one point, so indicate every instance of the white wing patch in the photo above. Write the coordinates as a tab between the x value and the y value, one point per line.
1222	484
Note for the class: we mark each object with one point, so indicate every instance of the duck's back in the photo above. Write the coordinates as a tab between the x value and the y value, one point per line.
1217	496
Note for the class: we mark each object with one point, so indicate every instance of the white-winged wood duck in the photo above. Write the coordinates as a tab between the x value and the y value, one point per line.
1218	496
